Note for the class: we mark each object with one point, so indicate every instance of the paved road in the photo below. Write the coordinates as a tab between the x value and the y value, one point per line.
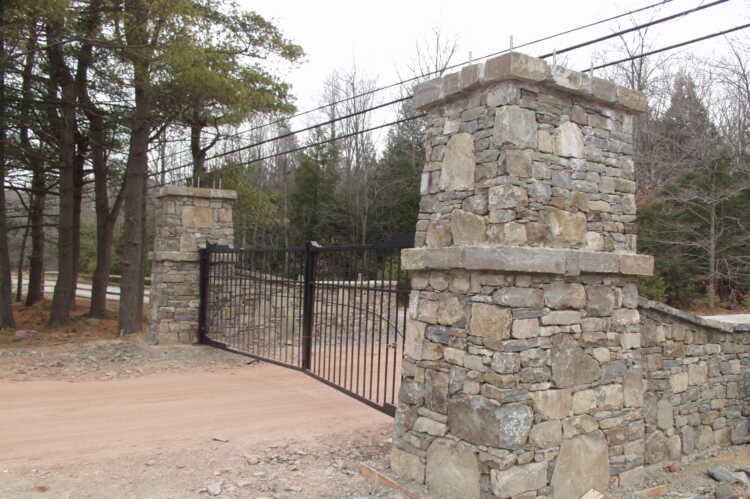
83	290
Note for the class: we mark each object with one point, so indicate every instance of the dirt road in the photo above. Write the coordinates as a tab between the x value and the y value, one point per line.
189	430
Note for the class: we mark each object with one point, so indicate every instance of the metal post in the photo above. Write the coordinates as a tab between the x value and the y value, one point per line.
308	303
203	311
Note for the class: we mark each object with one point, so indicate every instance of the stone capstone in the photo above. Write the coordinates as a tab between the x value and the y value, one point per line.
452	470
477	420
582	465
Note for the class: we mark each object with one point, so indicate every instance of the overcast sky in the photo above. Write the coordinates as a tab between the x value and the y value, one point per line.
380	36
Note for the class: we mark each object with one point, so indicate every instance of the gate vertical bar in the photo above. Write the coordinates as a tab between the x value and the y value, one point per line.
203	310
308	302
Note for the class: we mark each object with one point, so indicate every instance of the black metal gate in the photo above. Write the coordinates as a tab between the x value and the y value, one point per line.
336	313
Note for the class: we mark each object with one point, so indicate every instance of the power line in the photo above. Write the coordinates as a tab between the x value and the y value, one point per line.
311	127
670	47
308	146
403	120
454	66
634	28
564	50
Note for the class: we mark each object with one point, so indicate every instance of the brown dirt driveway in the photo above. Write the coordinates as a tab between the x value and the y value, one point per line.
191	434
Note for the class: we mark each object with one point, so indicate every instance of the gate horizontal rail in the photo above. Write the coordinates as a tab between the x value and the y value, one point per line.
335	313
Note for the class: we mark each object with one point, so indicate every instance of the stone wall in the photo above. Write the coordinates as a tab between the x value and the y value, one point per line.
522	374
186	219
698	383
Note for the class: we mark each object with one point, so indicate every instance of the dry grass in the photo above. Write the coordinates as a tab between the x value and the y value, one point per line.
77	331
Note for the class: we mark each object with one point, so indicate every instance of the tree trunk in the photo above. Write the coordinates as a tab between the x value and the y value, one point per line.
131	287
6	307
36	164
198	153
21	258
64	294
712	260
36	220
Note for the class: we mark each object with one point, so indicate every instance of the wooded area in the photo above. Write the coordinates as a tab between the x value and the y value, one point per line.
97	97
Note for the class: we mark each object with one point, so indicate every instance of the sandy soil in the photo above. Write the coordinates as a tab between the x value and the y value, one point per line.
256	431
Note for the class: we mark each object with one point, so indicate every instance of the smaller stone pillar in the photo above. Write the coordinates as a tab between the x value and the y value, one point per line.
186	219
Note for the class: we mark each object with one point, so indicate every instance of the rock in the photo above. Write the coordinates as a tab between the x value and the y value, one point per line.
468	228
658	491
664	414
515	126
252	460
450	311
564	295
490	321
24	334
92	321
721	473
571	366
214	488
633	388
507	197
477	420
518	479
569	141
656	448
679	382
564	229
593	494
547	434
728	491
219	438
519	297
458	164
452	470
600	301
407	465
553	404
582	465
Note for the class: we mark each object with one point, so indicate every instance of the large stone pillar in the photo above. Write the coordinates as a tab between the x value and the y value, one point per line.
522	370
186	219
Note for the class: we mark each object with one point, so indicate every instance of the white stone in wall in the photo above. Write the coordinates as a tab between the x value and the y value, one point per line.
569	141
457	173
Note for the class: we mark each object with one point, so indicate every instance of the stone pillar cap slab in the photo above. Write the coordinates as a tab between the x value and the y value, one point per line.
527	260
195	192
514	66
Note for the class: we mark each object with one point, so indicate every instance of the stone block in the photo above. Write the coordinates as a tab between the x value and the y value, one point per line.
600	301
547	434
490	321
467	228
414	339
569	141
503	197
452	470
515	126
518	479
515	66
457	173
553	404
407	465
571	366
564	229
525	328
564	295
475	419
582	465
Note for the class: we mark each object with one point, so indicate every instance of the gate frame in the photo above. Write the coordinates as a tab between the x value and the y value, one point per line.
311	251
